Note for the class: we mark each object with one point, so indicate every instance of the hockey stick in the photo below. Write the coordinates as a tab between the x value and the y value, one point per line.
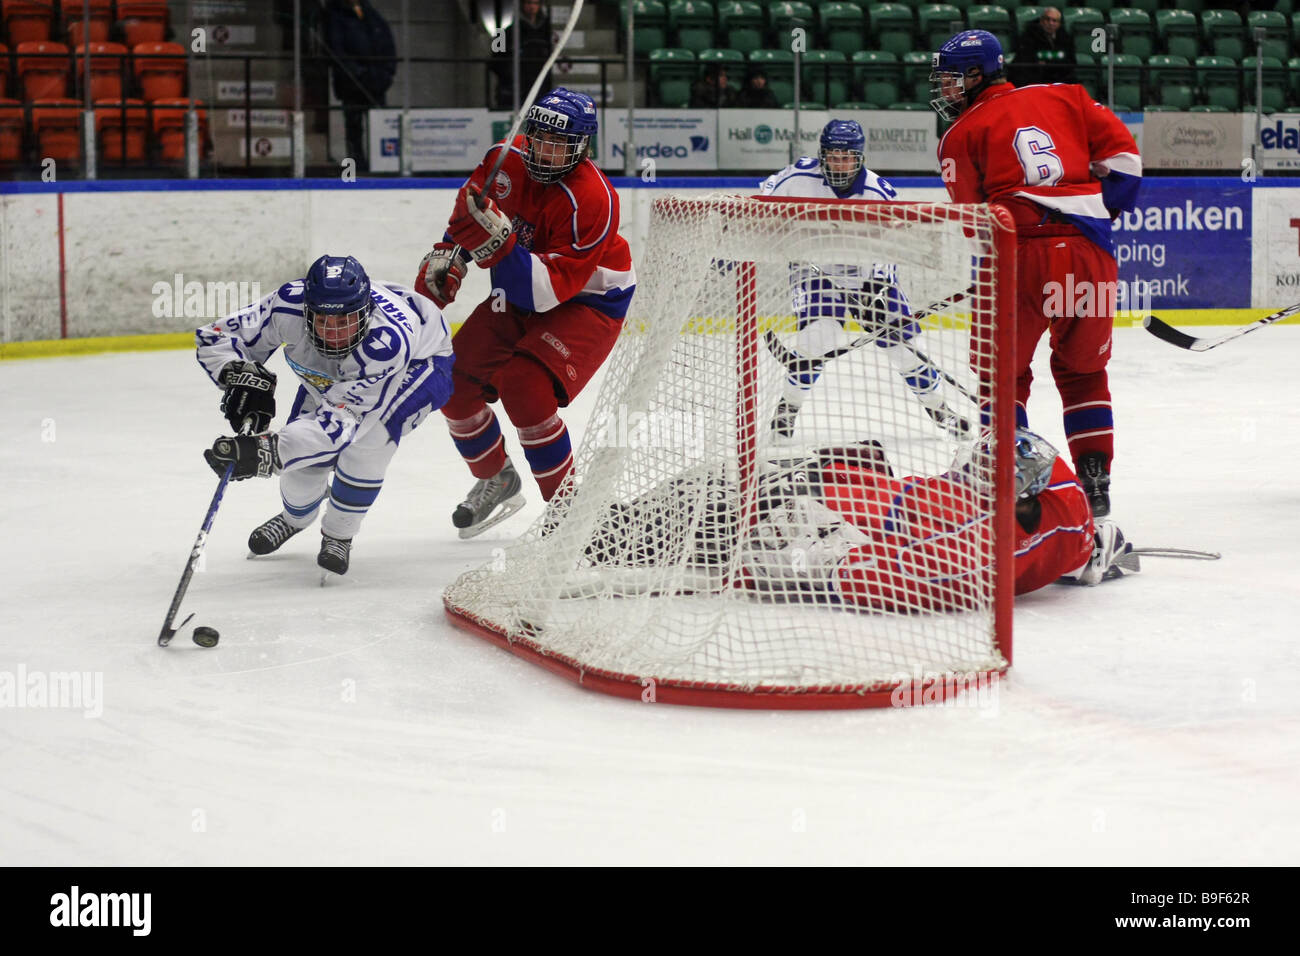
168	632
797	365
1167	333
1178	553
523	112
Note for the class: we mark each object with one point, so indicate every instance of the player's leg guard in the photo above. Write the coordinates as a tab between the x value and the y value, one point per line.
477	436
302	490
922	378
528	394
358	477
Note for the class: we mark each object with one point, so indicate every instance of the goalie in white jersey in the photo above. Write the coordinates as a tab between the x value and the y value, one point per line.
374	359
826	296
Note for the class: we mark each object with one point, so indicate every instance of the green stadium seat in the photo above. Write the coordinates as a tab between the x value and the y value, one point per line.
805	105
916	76
740	23
1161	108
909	105
856	105
935	23
733	60
1179	33
782	19
673	72
1172	82
1277	33
1150	6
1274	93
826	75
691	22
1128	80
1293	71
1079	23
844	26
1025	16
994	19
1223	33
875	73
1136	35
779	67
1090	74
651	25
1209	108
891	27
1220	80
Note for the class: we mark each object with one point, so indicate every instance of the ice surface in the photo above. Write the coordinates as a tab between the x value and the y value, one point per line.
1150	720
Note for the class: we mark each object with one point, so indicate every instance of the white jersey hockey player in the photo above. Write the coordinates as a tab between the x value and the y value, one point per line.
374	359
828	295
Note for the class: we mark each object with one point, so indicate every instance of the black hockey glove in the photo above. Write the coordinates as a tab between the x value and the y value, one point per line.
250	394
254	456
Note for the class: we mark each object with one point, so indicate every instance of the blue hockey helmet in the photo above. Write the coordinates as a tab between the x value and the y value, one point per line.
558	131
969	54
842	136
336	305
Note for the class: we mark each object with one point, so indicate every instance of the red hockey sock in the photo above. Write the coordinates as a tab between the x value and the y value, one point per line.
528	395
477	436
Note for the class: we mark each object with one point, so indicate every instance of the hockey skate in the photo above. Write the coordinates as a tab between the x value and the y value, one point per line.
489	502
1095	478
269	536
947	419
335	555
1112	557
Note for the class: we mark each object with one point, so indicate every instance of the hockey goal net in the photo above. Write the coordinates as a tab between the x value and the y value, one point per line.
856	556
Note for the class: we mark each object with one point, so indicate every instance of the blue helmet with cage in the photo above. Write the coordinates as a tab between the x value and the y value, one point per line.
841	136
558	131
957	60
336	305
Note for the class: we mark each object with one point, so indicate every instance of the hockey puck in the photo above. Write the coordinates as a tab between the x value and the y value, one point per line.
206	636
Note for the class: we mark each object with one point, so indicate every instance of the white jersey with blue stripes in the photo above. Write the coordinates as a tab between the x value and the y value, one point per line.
340	397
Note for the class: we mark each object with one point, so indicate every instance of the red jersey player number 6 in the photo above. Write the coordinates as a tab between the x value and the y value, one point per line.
548	231
1065	167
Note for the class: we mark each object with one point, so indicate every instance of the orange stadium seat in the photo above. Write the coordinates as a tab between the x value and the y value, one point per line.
169	128
101	15
57	125
123	129
160	70
27	22
43	69
142	21
11	132
107	61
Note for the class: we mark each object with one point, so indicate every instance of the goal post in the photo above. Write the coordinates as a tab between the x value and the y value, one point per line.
862	556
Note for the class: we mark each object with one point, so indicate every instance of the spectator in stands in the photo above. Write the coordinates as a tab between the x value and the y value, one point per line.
711	91
533	34
364	60
756	94
1045	53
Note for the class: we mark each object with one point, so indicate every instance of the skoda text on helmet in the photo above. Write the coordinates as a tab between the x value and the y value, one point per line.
336	305
955	61
841	136
558	129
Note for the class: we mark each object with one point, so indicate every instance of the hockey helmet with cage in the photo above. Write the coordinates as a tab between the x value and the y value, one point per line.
842	136
1035	457
558	130
336	305
953	63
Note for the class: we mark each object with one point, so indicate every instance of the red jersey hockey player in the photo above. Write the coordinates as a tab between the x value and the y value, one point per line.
549	233
1064	166
893	544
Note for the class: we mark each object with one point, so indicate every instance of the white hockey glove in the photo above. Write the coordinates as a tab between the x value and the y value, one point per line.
1111	557
799	544
483	230
441	272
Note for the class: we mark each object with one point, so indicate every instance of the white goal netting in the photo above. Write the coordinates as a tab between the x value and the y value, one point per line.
781	499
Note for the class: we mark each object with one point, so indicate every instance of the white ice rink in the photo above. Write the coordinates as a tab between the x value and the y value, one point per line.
1151	720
